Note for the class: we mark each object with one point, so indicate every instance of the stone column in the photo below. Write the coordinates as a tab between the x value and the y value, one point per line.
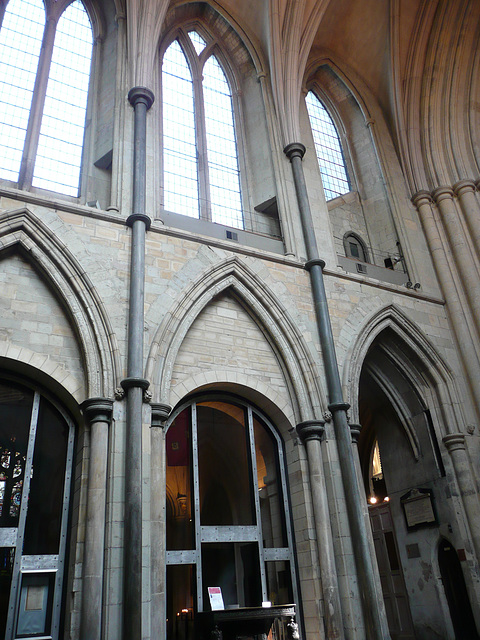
375	621
455	307
465	191
141	99
443	196
311	433
160	413
455	444
97	412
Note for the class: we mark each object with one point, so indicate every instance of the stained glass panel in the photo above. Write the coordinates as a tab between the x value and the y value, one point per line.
15	410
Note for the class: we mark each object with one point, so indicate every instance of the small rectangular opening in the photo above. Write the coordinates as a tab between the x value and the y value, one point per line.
362	268
231	235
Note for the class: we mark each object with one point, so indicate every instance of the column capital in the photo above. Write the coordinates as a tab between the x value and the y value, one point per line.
294	150
97	409
143	95
160	413
422	197
464	186
454	442
311	430
355	431
442	193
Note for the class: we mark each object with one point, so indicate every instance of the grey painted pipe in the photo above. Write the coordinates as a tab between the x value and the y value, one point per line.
377	628
141	99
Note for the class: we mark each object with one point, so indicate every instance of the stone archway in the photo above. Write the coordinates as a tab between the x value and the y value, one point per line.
402	455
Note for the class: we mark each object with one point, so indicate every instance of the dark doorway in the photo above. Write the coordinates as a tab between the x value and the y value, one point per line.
456	592
391	574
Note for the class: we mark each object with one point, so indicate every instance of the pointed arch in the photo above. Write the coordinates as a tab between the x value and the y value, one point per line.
430	376
22	230
266	310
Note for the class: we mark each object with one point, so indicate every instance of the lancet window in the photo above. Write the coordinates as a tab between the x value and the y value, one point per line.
45	59
201	176
328	149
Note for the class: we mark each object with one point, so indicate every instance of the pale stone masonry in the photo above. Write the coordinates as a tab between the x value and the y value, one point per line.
233	321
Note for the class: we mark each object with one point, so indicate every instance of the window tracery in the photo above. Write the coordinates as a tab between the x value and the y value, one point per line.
201	172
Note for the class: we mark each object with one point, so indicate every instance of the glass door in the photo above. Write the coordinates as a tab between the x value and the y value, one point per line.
228	523
36	450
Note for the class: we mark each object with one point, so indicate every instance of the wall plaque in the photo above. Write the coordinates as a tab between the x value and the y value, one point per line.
418	508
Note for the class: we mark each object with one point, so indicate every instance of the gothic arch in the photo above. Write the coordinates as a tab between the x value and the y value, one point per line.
268	313
264	396
430	377
21	230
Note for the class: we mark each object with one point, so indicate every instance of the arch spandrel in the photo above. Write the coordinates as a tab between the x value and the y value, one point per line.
266	311
21	231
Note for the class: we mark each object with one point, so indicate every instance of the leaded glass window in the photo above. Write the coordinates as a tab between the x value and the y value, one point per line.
42	124
201	175
328	149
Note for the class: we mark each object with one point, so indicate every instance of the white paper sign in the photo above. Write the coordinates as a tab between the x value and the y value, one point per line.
216	599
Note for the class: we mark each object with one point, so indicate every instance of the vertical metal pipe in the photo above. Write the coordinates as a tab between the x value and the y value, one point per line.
141	99
376	624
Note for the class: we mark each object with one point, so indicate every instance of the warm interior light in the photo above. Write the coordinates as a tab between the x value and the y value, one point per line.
372	500
386	499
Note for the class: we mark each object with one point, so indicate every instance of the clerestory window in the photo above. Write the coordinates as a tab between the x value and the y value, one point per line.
201	176
328	149
45	59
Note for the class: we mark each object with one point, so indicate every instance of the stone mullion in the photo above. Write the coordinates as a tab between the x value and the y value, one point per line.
38	102
201	139
98	414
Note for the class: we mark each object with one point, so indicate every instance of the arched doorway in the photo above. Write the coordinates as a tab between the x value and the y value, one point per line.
36	453
397	454
400	457
456	592
228	522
